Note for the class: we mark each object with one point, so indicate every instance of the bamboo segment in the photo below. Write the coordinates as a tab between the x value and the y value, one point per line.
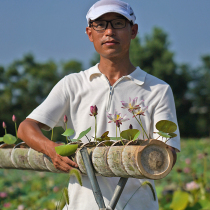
5	156
19	156
155	160
79	160
114	159
99	159
129	162
49	164
150	159
36	160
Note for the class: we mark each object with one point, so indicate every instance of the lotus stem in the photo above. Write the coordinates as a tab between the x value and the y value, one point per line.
52	135
121	136
141	126
95	126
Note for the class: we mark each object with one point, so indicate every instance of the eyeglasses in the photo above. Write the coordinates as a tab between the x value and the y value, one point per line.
100	25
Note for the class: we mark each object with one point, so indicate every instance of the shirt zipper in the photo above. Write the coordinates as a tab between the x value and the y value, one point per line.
110	97
111	91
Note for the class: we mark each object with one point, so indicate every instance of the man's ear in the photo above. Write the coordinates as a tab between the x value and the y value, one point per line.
134	31
89	33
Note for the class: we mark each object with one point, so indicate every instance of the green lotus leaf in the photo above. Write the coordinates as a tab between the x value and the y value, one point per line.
1	139
180	200
99	139
66	196
66	150
68	132
172	135
75	140
129	134
115	138
205	204
77	174
136	136
166	126
9	139
108	143
165	135
83	133
151	187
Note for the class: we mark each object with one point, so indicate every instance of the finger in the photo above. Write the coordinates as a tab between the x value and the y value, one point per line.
59	163
63	169
69	161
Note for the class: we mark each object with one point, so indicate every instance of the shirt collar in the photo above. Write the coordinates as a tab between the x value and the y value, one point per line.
94	72
138	76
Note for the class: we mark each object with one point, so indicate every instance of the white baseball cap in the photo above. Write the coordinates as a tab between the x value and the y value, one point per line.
105	6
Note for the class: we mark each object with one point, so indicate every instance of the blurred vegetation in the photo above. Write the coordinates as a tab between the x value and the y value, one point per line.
25	83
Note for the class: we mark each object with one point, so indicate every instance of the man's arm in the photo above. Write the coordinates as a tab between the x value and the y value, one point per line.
30	132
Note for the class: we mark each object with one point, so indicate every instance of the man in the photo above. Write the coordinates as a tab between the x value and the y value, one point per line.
111	27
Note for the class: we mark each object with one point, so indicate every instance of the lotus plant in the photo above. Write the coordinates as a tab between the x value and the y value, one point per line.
94	112
8	138
136	110
5	127
117	118
132	104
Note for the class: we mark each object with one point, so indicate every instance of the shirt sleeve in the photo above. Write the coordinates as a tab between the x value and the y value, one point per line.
51	111
165	110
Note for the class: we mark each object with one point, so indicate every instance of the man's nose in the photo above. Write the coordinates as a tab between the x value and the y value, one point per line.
109	29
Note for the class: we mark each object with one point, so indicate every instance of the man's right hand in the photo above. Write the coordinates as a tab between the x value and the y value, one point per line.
30	132
62	163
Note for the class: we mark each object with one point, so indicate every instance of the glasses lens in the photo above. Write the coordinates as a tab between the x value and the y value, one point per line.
118	23
99	25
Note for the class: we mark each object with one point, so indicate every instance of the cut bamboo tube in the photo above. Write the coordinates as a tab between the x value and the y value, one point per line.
138	159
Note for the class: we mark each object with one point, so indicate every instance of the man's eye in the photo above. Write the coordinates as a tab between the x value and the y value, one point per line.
119	23
99	24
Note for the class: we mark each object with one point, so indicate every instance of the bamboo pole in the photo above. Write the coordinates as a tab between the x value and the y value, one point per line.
137	159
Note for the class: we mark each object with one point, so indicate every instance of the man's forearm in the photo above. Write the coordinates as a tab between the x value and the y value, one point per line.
30	132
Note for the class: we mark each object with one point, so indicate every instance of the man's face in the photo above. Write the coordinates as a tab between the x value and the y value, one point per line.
111	43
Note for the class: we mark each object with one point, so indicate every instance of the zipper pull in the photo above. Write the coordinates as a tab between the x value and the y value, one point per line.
110	90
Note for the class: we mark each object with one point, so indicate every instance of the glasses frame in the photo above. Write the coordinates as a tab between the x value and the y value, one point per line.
107	22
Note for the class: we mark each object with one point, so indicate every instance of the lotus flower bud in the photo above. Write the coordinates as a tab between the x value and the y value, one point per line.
93	110
14	118
130	126
4	125
65	119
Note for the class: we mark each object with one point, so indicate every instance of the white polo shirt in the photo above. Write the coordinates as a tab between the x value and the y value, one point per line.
73	96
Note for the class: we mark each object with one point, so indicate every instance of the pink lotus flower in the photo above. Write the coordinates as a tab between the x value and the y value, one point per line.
117	118
4	125
131	105
186	170
7	205
140	111
3	194
192	186
93	110
65	119
55	189
20	207
187	161
14	118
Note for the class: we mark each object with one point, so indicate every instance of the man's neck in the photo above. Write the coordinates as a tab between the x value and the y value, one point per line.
115	69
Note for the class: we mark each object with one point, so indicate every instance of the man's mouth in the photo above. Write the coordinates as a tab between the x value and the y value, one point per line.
110	42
